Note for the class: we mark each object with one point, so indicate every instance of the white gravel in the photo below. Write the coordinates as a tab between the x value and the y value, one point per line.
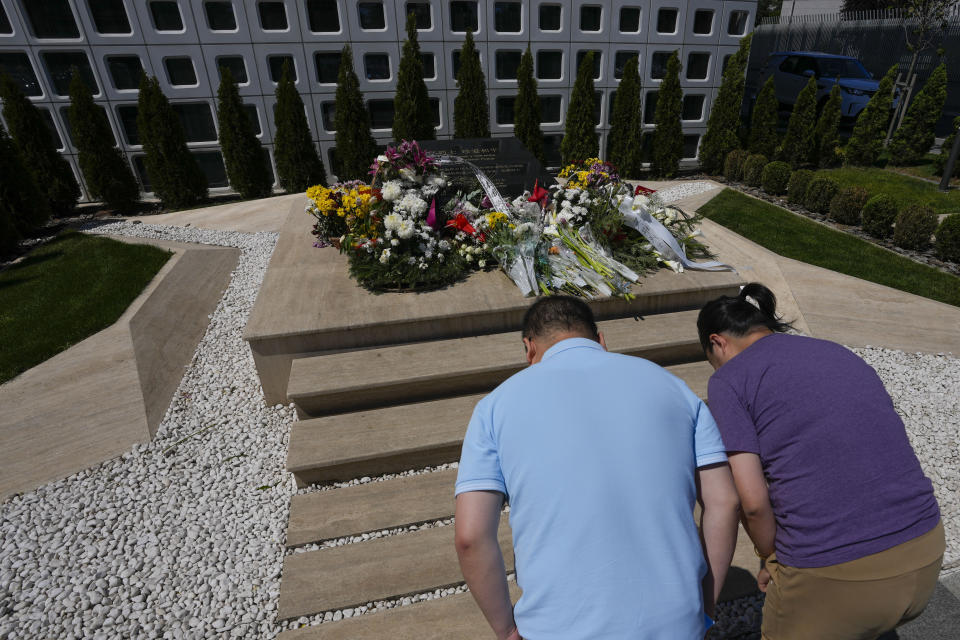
684	190
183	537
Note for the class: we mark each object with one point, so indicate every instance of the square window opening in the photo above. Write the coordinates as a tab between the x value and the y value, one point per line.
276	67
377	66
698	66
507	64
323	16
693	107
590	18
658	64
371	16
550	17
180	72
630	19
59	67
125	72
51	19
421	13
650	108
236	66
549	65
197	121
597	104
5	27
211	164
550	110
273	16
597	61
464	16
620	61
17	65
328	113
737	26
166	15
381	114
429	66
109	16
690	144
328	66
254	117
507	17
52	128
435	110
220	16
667	20
703	22
127	115
505	105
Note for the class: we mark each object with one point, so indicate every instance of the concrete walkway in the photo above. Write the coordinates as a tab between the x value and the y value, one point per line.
251	216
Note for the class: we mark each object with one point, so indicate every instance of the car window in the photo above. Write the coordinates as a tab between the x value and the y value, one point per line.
787	65
805	64
840	68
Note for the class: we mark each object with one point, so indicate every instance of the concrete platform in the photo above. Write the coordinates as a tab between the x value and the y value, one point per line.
251	216
380	569
101	396
308	304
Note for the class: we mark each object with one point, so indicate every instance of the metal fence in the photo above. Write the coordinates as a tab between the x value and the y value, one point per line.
876	38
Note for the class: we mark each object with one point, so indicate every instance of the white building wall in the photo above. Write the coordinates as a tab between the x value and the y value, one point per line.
255	44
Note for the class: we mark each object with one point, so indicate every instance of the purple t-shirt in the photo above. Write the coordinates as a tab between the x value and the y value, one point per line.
844	481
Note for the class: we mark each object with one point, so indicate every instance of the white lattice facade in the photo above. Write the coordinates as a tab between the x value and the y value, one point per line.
184	42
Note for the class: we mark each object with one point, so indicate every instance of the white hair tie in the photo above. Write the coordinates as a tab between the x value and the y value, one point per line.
753	301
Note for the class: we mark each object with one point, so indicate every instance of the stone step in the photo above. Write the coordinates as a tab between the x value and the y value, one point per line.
455	616
379	569
351	381
379	441
399	502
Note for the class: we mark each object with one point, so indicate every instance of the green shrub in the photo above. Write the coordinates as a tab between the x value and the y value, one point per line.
471	112
626	125
668	136
723	125
914	226
247	165
846	206
866	143
753	169
775	177
827	134
878	215
355	145
797	186
947	242
733	165
412	115
298	164
764	137
799	145
22	207
527	111
915	136
820	193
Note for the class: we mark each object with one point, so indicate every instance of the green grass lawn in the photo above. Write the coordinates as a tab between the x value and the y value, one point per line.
65	291
796	237
904	189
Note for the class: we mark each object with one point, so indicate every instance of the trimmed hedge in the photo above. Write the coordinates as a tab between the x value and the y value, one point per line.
797	187
947	242
914	226
846	206
776	177
820	194
878	215
753	169
733	165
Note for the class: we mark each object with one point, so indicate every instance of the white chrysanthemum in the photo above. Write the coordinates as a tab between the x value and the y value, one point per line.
482	264
392	221
566	206
391	190
406	229
570	194
413	203
444	245
550	230
564	217
381	158
385	256
436	181
394	242
580	211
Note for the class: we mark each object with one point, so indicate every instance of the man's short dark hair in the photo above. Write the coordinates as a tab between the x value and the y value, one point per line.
559	314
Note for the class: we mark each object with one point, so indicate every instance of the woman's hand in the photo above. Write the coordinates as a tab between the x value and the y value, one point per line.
763	579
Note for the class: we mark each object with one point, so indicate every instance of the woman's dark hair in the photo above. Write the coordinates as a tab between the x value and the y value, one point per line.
559	314
738	317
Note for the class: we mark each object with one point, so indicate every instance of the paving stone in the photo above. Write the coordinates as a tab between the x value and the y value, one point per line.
379	569
452	617
326	515
336	383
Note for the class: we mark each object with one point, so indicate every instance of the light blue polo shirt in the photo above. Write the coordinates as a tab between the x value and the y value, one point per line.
596	453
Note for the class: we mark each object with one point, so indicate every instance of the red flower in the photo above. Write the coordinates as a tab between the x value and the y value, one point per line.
539	195
461	223
642	189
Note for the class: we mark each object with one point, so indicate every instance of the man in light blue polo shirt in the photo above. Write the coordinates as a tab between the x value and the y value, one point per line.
601	457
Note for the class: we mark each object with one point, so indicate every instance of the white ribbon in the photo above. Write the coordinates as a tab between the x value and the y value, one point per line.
661	239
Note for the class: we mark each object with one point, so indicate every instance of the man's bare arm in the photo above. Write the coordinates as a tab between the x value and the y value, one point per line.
477	520
718	527
751	486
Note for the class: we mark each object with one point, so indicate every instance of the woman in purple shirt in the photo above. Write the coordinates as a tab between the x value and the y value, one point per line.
831	492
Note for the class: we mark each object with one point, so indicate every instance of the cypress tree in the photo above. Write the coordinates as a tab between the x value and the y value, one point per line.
173	171
626	124
915	136
298	165
763	125
723	126
579	136
471	112
37	149
356	148
866	143
799	144
104	167
668	136
412	116
827	134
248	168
22	208
526	119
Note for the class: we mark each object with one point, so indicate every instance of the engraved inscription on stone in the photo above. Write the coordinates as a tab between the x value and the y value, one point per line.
507	163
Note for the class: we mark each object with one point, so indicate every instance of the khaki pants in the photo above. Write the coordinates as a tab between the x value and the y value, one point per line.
860	599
